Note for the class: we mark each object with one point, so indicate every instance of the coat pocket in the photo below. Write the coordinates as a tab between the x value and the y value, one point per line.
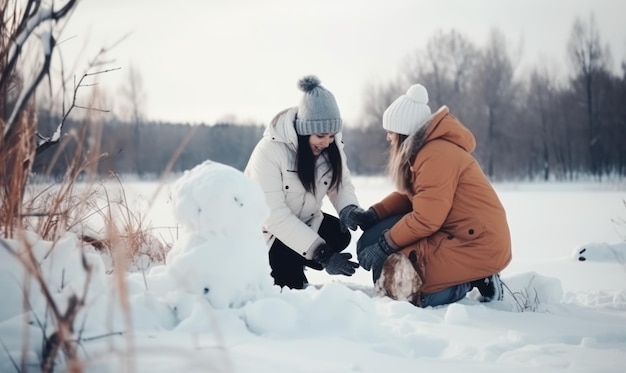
465	232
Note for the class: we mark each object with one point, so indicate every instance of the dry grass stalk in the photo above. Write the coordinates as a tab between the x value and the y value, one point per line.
63	337
64	207
18	147
14	171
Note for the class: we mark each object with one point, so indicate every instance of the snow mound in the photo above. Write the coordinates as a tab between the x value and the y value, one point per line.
531	291
63	265
601	252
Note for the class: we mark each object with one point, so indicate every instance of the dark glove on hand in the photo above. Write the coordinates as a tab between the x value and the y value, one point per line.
352	215
374	255
335	263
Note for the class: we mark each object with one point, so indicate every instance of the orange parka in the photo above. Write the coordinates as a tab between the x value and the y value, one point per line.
454	220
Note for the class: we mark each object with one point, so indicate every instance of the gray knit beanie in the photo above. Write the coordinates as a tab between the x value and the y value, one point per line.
318	111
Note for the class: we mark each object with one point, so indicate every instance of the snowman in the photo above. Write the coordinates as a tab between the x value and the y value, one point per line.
221	254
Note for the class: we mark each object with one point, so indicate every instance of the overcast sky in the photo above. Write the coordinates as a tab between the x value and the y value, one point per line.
206	60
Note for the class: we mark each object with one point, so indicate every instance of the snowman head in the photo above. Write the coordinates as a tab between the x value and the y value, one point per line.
216	199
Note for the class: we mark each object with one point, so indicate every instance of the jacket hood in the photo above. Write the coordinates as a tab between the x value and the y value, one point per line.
441	125
282	128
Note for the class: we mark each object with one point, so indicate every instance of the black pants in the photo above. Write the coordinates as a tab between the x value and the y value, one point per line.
288	266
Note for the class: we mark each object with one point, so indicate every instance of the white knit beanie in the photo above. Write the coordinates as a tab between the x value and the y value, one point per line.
318	111
408	112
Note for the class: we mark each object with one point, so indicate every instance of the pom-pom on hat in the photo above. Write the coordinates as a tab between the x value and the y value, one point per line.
408	112
318	111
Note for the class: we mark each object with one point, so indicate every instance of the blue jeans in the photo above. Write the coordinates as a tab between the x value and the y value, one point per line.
446	296
371	236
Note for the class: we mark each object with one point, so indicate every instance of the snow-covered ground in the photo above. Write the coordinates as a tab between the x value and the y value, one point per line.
212	308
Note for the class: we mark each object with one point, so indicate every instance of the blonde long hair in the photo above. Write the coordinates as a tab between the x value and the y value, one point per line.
401	158
399	166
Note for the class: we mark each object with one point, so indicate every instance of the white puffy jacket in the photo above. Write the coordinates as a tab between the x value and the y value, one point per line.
295	214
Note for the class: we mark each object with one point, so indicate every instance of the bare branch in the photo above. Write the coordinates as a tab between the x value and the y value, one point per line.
17	368
46	142
25	96
100	336
92	109
33	17
102	72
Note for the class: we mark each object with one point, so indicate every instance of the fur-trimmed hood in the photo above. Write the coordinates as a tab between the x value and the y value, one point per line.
441	125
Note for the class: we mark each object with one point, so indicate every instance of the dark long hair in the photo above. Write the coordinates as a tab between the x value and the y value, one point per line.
306	164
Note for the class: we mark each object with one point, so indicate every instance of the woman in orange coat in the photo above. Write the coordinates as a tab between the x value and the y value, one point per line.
444	231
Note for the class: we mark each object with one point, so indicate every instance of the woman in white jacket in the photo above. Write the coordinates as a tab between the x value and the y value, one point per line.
298	162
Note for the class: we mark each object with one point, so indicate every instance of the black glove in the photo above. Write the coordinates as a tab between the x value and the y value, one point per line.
352	215
374	255
335	263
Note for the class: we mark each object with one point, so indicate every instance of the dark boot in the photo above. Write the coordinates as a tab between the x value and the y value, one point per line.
490	288
293	279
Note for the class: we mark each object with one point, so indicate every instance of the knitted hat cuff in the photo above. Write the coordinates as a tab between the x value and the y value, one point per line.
310	127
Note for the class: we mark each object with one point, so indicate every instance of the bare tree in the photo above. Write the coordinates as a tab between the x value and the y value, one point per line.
544	123
370	134
448	64
620	132
131	110
133	98
496	88
589	60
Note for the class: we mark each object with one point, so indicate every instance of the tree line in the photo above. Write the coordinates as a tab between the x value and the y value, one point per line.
528	126
150	149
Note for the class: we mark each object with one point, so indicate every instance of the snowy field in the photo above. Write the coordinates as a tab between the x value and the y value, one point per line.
564	311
